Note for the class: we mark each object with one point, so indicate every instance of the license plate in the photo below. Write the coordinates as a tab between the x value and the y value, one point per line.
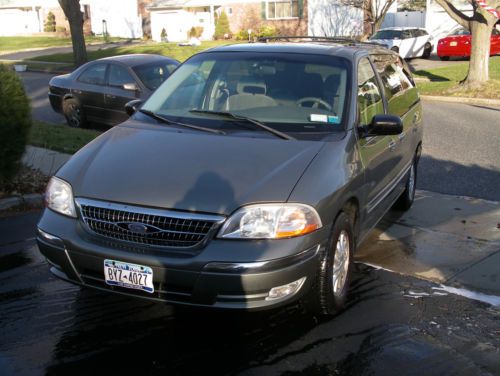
131	276
453	44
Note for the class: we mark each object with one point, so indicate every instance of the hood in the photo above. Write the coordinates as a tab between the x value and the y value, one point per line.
388	42
159	166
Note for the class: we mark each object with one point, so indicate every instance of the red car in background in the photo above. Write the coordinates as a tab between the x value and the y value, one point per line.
459	44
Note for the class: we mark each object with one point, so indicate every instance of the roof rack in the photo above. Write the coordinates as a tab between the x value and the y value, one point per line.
341	40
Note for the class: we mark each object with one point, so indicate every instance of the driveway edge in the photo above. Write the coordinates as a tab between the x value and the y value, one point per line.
462	100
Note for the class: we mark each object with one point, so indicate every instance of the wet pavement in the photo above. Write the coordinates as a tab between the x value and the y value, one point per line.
393	325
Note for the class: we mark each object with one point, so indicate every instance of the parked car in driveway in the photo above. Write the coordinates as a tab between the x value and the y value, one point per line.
98	91
246	181
409	42
458	44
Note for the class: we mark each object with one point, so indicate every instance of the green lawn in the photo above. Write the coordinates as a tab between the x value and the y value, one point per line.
22	43
172	50
60	138
444	81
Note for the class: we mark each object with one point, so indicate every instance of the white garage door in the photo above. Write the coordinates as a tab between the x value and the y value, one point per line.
176	23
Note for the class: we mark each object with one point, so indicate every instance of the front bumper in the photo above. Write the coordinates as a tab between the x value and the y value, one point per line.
55	102
225	274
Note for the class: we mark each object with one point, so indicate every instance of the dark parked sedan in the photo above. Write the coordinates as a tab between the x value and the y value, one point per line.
98	91
246	180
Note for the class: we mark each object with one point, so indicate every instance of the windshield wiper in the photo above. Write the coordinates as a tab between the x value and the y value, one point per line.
167	121
257	123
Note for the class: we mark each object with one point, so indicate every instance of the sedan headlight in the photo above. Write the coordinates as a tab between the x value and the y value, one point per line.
59	197
271	221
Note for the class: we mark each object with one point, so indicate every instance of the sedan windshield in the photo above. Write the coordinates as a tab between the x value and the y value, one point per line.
288	92
387	34
152	75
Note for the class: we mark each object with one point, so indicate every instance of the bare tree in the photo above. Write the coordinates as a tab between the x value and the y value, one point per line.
71	9
374	12
481	25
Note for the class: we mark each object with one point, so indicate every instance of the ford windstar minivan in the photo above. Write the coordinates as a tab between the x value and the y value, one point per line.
246	181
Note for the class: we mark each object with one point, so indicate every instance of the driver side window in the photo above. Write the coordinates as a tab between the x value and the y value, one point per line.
369	98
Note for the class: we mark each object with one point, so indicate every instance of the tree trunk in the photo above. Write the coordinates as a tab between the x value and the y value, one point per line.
481	28
74	15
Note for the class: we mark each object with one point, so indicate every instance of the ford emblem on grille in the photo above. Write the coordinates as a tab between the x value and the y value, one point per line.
139	228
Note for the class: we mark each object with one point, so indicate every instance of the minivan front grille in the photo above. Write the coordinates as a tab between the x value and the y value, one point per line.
145	226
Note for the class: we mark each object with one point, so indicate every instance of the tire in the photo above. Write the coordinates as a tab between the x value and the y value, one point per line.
395	49
73	113
427	51
329	291
405	201
444	58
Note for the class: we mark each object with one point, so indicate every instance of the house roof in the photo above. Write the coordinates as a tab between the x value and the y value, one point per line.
167	4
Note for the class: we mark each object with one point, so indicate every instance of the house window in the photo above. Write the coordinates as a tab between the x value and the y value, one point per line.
282	9
229	11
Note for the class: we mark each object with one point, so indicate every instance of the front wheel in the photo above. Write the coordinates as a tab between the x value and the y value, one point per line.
405	201
73	113
329	292
427	51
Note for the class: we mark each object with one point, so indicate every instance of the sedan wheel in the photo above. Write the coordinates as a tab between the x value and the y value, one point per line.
73	113
405	201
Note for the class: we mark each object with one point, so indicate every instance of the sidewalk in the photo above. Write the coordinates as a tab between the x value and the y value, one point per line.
30	54
47	161
451	240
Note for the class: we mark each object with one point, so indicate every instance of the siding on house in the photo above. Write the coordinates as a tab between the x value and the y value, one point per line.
253	16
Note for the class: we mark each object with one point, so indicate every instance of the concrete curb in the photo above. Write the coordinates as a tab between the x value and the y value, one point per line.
33	199
462	100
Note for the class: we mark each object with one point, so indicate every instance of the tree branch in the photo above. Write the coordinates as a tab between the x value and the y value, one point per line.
454	13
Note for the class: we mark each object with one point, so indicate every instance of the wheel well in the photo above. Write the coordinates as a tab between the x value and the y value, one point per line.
418	152
351	208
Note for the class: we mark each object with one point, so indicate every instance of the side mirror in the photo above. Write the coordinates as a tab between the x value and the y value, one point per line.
384	125
131	86
132	106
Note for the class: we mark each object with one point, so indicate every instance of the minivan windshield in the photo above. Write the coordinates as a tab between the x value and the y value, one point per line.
288	92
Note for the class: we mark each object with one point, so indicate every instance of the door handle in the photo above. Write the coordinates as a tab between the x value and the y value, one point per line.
110	96
392	145
416	117
401	136
76	91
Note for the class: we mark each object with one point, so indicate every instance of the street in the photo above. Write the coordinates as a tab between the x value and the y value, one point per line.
393	325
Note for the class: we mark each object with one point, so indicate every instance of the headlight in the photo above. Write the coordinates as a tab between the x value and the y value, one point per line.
271	221
59	197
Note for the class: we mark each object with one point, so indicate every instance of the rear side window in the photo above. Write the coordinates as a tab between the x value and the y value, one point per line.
369	97
94	75
119	76
399	88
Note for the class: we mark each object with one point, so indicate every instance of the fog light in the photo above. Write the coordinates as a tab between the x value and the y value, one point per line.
285	290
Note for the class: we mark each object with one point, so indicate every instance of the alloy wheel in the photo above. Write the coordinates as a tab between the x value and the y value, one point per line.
341	263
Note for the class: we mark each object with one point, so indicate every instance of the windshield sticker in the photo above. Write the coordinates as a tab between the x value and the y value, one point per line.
333	119
319	118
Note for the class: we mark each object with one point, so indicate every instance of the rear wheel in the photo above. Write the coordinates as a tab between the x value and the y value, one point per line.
427	51
73	113
395	49
328	294
406	199
444	58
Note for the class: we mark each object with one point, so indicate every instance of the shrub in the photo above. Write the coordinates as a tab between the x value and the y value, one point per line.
268	31
15	122
50	23
242	35
195	32
222	26
163	35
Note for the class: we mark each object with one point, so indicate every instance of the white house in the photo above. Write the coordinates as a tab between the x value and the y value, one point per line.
121	17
